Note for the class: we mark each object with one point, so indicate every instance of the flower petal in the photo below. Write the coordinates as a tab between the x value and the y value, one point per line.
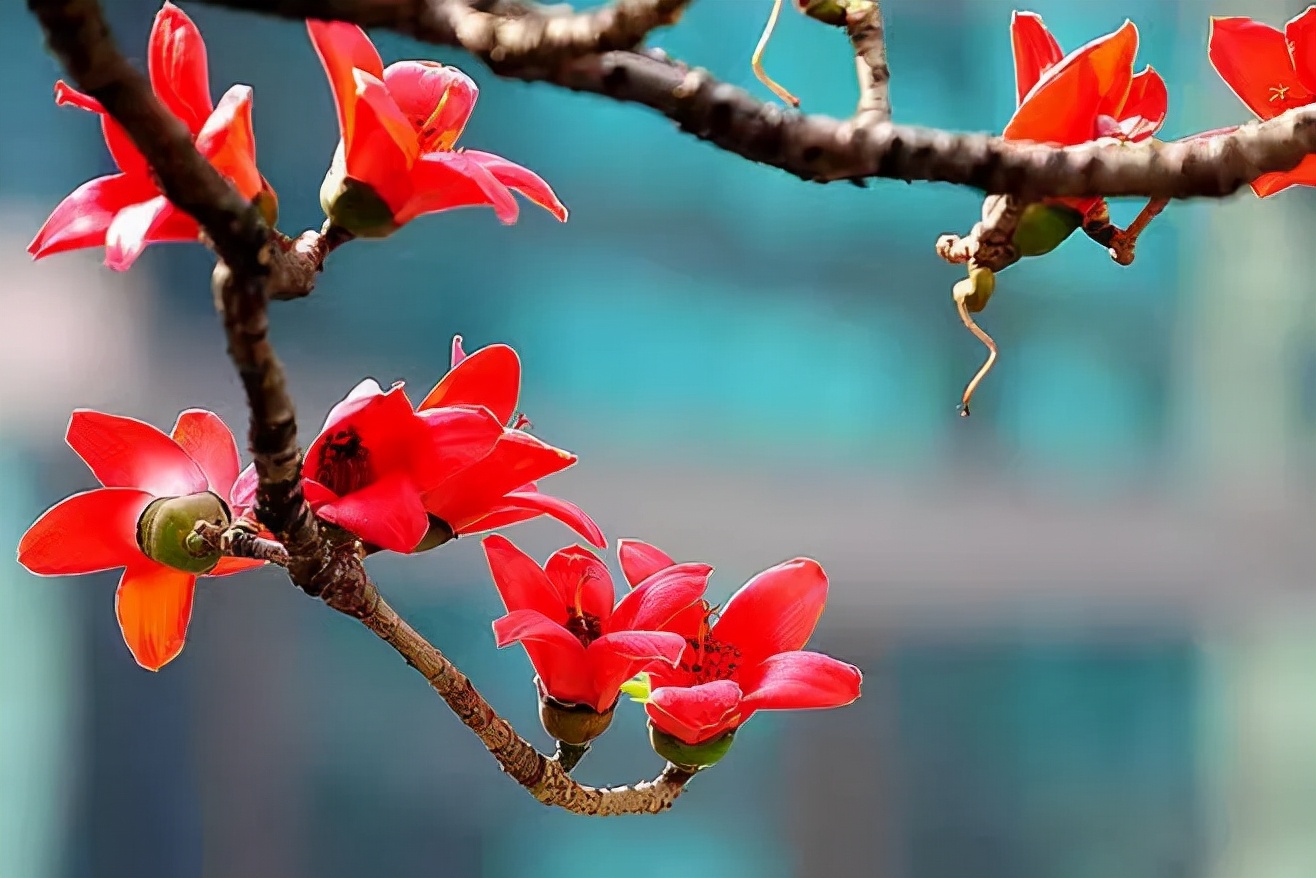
1303	175
452	439
582	579
122	149
776	611
91	531
344	48
639	560
177	65
557	656
458	355
619	656
228	140
435	98
243	495
154	605
1035	50
1253	59
138	225
517	459
127	453
448	180
520	179
1091	81
695	714
371	431
529	503
800	681
1301	35
229	566
656	601
490	377
522	583
1144	110
210	443
381	147
83	217
386	513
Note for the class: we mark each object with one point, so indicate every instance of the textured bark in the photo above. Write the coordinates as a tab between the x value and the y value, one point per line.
863	24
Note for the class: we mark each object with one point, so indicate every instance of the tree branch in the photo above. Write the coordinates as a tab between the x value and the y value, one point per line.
824	149
863	24
319	563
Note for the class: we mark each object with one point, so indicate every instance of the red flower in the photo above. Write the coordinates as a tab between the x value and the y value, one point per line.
751	658
1090	94
375	457
582	647
98	530
1271	72
499	490
126	211
399	127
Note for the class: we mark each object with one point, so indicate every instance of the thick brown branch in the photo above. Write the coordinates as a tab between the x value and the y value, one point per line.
825	149
863	23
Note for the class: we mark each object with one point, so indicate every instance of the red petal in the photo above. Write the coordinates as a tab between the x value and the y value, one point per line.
82	218
800	681
229	566
381	423
209	442
521	583
154	605
1094	80
557	656
582	580
1253	59
177	65
448	180
140	224
91	531
695	714
229	142
243	495
121	147
639	560
452	439
1303	175
343	48
524	505
458	354
619	656
516	460
127	453
490	377
652	604
419	87
386	513
1144	110
1035	50
775	611
520	179
381	147
1301	35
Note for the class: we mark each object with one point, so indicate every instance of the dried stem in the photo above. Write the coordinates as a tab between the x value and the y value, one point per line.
990	243
863	24
1121	242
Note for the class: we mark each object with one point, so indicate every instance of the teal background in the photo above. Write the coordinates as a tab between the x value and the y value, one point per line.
1085	615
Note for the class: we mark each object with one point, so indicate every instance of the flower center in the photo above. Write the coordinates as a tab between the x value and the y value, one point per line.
433	137
710	659
344	464
1279	95
585	626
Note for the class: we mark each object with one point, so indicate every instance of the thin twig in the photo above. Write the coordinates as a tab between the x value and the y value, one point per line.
1122	242
863	24
239	542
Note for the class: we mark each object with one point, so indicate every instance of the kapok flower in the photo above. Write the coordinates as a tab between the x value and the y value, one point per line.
1270	71
747	658
156	488
499	490
397	157
583	648
1091	94
126	211
375	457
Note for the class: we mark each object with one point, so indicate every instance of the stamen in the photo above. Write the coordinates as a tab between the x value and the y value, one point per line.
428	132
756	60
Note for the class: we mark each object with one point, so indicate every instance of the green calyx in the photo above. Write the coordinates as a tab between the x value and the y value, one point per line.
166	531
439	533
828	11
692	757
1044	227
572	723
355	206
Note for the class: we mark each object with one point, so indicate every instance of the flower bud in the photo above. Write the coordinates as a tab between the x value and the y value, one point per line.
572	723
165	532
976	289
690	756
267	202
1043	227
827	11
353	205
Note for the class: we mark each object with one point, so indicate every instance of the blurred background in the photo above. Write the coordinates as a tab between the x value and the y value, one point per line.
1085	615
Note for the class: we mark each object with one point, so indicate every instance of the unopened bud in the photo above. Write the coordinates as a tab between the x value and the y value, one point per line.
352	205
690	756
827	11
976	289
166	531
267	202
572	723
1043	227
